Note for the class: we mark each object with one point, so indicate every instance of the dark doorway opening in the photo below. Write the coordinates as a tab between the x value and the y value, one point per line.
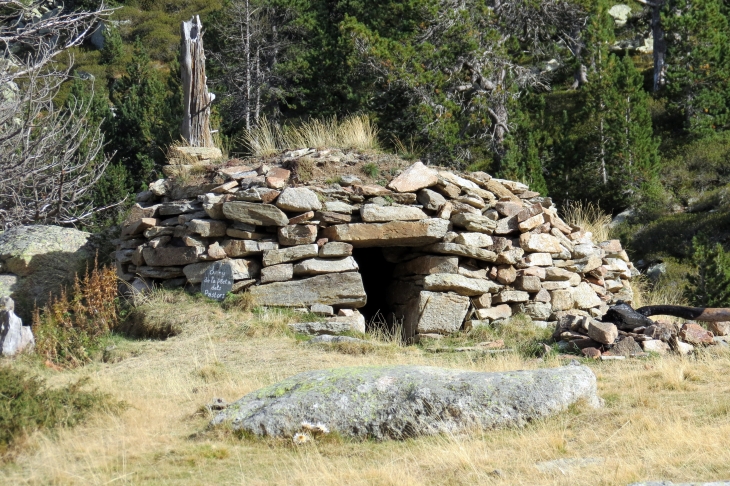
377	275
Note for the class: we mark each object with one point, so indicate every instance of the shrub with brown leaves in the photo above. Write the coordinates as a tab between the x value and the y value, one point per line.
68	329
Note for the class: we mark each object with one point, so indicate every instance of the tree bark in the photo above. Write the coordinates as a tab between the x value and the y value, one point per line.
660	46
196	98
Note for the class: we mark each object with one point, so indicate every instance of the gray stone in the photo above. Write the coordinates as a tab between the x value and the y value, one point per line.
414	178
44	259
277	273
398	402
585	297
163	273
474	222
335	249
435	312
510	296
394	233
603	332
427	265
332	325
298	199
506	226
207	228
297	234
330	339
372	213
538	310
539	243
430	200
325	310
291	254
318	266
449	282
502	311
172	256
477	240
255	214
349	179
463	251
337	289
178	207
339	207
243	248
14	337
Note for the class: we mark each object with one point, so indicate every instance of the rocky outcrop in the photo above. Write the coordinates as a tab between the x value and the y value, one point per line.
460	243
398	402
37	261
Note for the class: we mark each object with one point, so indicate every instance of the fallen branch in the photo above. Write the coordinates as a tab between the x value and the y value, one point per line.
703	314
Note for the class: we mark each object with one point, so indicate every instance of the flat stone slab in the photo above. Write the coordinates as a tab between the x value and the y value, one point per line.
398	402
337	289
394	233
256	214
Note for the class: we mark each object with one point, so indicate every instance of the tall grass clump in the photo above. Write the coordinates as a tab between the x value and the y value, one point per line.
588	216
264	140
70	327
356	132
27	405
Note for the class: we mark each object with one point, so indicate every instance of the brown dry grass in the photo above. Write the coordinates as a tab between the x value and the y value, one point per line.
588	216
663	419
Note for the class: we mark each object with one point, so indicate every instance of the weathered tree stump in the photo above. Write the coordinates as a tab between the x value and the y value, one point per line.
196	98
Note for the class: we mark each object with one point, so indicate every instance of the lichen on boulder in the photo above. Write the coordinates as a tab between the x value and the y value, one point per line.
398	402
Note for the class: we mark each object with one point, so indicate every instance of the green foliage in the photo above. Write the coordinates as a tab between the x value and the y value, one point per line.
113	50
142	126
27	405
698	72
371	169
710	286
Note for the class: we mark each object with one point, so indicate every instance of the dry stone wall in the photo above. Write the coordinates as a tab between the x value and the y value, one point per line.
467	249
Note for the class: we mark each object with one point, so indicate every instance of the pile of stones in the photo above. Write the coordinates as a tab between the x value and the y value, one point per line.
616	337
468	249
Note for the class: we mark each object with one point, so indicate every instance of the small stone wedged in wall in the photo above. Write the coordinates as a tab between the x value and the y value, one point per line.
461	243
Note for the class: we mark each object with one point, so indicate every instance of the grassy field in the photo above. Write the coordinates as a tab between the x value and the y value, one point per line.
664	418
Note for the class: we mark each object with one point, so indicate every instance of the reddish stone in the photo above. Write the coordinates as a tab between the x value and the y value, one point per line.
695	334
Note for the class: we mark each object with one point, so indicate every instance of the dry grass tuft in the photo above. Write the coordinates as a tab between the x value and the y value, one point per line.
263	140
663	292
354	132
588	216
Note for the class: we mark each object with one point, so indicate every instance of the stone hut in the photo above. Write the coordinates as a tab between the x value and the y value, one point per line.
428	248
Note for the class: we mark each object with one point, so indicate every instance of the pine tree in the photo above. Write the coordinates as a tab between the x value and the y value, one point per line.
113	50
710	286
140	128
698	66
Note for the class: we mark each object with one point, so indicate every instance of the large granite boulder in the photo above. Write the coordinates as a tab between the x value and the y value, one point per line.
397	402
36	261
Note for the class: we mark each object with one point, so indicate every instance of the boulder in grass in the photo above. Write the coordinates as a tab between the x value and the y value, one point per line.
398	402
37	261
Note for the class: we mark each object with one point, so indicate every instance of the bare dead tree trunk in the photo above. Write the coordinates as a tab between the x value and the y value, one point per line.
660	45
196	98
247	54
